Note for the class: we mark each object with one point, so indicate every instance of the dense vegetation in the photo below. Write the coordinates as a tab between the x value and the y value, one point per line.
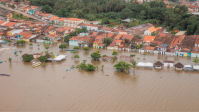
153	12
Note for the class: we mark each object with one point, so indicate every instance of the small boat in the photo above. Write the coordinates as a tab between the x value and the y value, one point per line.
4	75
1	61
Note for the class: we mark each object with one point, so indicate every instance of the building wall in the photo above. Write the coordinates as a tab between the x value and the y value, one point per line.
73	42
194	55
170	64
147	32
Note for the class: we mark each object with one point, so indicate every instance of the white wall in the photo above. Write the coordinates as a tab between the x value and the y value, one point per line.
147	32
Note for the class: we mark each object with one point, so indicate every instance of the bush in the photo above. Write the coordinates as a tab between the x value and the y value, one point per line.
42	58
28	57
76	47
62	46
86	48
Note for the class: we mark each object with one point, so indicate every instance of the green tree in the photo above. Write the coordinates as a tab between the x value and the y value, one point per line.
82	66
115	53
10	59
9	41
86	48
122	66
62	46
84	61
105	21
76	48
90	67
96	55
38	45
52	55
59	13
195	60
47	48
30	44
76	56
28	57
107	41
20	51
47	9
134	64
132	55
102	68
42	59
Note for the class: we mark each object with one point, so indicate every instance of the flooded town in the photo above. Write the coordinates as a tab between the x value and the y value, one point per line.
50	62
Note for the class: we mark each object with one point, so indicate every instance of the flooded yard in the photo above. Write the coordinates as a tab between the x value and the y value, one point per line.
52	88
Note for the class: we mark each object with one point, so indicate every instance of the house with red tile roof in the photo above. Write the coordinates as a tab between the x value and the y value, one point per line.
73	22
98	40
197	42
54	18
140	28
175	43
105	29
11	24
150	30
148	39
64	30
47	31
127	38
82	40
117	37
60	21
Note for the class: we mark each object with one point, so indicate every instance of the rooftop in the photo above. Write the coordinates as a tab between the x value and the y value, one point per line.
74	19
148	38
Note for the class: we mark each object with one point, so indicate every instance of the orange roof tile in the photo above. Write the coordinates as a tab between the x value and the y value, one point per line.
118	36
153	29
10	24
62	19
96	41
197	41
74	19
1	22
148	38
27	36
110	34
119	41
46	14
99	37
54	18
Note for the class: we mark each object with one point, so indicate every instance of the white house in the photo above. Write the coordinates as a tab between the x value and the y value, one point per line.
73	22
90	27
168	63
150	30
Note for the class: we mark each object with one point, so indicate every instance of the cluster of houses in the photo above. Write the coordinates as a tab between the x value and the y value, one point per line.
160	65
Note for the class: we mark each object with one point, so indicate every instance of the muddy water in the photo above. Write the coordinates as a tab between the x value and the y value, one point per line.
51	88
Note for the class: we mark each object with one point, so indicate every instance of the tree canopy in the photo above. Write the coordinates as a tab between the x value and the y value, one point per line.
122	66
28	57
150	12
62	46
96	55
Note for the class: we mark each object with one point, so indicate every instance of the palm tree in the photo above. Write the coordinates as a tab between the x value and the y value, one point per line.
195	60
134	64
102	68
10	59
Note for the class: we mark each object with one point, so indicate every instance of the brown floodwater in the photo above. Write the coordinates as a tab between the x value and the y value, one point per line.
52	88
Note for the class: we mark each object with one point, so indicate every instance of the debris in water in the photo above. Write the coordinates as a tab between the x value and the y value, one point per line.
107	75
